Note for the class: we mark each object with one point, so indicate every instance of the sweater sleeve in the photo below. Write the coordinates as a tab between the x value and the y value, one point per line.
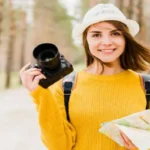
57	132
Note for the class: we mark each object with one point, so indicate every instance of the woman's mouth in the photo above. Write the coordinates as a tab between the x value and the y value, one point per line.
107	50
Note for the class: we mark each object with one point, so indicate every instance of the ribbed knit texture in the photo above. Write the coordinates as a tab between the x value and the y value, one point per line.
95	99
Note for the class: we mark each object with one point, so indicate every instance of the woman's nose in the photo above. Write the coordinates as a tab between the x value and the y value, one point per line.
106	40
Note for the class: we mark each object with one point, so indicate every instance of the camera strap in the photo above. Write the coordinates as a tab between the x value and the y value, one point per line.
69	80
68	84
146	85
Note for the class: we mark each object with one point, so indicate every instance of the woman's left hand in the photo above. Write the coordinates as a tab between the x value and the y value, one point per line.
127	142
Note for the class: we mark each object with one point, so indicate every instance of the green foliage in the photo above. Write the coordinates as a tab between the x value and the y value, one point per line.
84	6
56	26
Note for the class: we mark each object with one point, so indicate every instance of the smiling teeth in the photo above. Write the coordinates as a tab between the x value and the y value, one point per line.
107	50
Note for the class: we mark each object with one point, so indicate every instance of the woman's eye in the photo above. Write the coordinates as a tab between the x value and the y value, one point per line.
116	34
96	35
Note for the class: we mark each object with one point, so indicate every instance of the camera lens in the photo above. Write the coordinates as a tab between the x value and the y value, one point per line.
47	56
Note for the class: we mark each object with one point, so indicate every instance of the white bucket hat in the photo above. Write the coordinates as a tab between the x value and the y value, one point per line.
103	12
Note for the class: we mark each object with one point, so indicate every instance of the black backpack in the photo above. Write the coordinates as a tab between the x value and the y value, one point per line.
68	83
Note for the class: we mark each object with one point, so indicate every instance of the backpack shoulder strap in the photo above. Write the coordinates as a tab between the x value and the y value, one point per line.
146	83
68	84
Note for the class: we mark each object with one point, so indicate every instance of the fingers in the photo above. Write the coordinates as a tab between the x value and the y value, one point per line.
25	67
36	82
32	69
34	73
38	78
124	142
30	77
127	142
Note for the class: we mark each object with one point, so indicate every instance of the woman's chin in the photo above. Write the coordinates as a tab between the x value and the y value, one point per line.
108	61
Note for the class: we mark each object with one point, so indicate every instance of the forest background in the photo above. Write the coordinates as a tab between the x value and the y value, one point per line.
26	23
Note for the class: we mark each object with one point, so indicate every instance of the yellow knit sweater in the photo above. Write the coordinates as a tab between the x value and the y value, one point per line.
95	99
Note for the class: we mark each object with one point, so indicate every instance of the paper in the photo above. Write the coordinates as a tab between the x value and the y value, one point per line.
136	127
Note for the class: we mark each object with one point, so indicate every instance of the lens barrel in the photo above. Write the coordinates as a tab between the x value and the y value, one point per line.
47	55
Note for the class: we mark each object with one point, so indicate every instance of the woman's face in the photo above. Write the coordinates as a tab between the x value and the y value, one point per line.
105	42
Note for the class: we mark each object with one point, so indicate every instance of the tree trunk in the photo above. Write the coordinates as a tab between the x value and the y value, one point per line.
140	12
9	62
1	18
130	9
120	4
141	20
23	44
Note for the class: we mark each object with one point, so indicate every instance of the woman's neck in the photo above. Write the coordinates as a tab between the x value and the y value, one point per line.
109	69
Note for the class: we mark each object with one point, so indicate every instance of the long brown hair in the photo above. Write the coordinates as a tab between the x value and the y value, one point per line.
136	56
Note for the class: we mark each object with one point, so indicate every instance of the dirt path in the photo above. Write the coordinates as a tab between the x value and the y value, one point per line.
19	128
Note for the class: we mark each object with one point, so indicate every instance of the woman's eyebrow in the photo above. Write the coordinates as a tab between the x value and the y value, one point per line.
115	30
95	32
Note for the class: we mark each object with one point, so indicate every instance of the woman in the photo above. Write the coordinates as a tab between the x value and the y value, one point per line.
108	89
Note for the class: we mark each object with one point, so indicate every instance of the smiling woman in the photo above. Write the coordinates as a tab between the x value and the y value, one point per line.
106	42
105	90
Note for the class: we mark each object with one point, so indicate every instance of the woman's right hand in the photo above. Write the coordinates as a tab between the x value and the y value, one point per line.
30	77
127	142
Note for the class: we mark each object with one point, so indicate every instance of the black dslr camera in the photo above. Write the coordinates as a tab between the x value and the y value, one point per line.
53	64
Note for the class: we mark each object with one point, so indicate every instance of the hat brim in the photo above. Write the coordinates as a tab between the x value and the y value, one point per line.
77	33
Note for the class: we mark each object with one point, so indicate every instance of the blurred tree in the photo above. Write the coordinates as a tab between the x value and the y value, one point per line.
53	25
23	39
141	19
130	9
1	17
84	6
147	20
126	6
134	10
9	62
120	4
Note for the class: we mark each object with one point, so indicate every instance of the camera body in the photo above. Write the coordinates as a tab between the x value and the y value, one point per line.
52	64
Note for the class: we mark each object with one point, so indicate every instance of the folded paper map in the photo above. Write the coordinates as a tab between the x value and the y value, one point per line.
136	127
